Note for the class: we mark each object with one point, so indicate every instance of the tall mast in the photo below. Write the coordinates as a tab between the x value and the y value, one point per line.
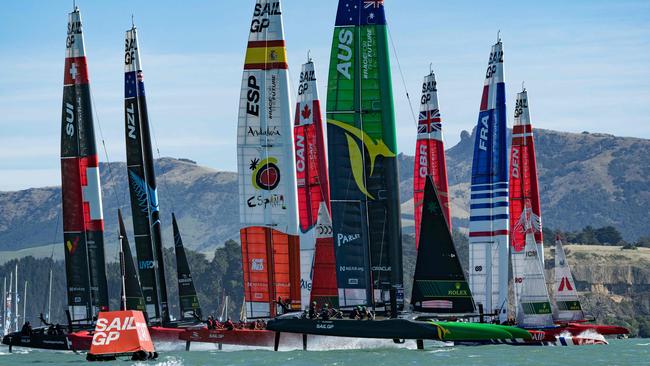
142	184
25	303
267	170
83	222
49	297
4	306
488	227
362	150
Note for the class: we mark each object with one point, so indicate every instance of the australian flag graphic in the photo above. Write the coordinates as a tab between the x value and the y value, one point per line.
360	12
133	84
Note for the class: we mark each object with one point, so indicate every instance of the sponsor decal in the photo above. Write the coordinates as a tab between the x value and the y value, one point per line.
350	269
374	149
305	78
71	245
424	161
266	174
257	264
345	52
146	264
495	58
305	284
274	200
381	268
263	11
269	131
346	238
324	326
519	108
458	290
74	28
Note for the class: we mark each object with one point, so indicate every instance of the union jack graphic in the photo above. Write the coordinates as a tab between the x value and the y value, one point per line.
429	121
373	3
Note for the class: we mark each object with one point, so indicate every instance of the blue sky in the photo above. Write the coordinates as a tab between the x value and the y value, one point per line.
586	64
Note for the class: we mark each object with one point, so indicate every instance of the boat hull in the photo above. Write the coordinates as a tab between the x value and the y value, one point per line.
240	337
38	339
399	329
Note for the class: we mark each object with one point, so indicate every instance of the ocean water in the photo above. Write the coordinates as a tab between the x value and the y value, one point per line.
377	353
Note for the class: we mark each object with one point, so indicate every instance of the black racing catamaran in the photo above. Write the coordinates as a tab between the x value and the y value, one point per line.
83	222
439	283
189	301
144	201
131	294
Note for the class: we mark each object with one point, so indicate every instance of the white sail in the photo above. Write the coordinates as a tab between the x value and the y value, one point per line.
266	166
566	297
267	170
533	303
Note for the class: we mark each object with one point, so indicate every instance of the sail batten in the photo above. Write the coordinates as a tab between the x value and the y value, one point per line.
362	159
489	225
83	221
266	168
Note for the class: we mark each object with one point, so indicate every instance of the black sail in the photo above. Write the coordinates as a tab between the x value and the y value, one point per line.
132	290
83	221
189	301
439	283
142	185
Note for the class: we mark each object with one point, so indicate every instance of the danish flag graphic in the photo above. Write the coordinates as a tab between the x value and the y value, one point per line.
565	284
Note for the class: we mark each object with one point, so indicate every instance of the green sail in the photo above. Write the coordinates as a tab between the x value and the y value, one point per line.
362	156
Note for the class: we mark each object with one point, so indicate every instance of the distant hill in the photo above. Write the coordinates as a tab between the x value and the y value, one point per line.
585	179
204	200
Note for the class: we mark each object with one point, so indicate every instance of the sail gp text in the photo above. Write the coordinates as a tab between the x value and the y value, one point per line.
106	334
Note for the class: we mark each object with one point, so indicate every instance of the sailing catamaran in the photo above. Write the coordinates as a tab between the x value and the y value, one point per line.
142	185
83	222
568	307
313	189
429	153
267	171
488	227
533	305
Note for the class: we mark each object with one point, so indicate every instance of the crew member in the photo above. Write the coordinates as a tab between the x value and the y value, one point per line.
312	310
325	313
229	324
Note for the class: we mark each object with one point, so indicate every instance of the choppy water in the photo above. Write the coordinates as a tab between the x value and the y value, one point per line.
379	353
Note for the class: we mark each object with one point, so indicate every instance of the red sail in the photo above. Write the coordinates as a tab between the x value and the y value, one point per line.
429	153
524	190
324	289
317	251
311	159
268	261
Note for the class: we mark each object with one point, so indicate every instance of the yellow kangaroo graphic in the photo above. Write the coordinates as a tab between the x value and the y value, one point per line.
375	148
